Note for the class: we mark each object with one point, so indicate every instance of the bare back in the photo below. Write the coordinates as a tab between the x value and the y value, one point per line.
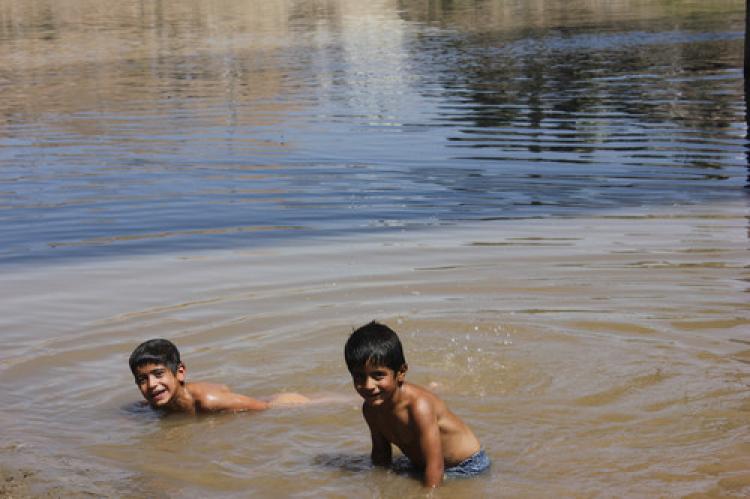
213	397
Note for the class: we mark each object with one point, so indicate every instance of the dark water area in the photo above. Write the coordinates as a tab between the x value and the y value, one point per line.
128	128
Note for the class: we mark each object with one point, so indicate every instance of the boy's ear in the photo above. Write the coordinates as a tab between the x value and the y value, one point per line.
401	373
180	374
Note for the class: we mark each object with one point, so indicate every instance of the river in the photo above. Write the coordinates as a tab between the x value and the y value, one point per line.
546	199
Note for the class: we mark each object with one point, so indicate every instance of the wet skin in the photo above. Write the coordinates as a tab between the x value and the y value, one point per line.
167	390
158	384
413	419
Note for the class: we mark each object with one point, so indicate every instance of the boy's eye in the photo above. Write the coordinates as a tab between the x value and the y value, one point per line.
156	373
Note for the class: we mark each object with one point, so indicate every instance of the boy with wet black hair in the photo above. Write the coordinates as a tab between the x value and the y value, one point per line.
160	376
435	440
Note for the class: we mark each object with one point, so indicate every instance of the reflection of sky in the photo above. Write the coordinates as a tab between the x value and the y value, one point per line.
376	67
355	118
363	79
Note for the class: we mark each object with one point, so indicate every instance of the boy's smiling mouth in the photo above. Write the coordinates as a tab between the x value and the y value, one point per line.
158	395
372	397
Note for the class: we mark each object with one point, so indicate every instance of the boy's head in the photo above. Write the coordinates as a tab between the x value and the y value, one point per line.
158	371
156	351
376	362
374	344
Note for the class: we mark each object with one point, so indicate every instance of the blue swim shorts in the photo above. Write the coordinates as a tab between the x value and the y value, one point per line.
477	463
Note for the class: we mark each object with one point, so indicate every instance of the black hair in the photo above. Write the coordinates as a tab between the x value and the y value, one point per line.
157	351
374	343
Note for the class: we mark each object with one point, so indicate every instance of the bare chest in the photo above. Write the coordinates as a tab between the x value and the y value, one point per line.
399	429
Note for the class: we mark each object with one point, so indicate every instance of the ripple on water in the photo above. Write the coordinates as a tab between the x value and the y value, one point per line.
302	174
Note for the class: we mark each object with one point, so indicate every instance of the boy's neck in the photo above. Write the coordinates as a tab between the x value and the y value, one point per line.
396	399
183	401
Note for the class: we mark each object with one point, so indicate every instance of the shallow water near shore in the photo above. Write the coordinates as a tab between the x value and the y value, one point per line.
546	200
584	361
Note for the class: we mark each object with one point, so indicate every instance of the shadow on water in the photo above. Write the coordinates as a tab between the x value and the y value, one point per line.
345	462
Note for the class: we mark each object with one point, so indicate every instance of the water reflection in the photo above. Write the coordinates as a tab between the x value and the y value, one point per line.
747	129
170	127
622	118
151	127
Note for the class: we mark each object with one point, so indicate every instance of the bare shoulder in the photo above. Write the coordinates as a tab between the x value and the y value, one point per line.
460	440
421	400
202	391
208	387
214	397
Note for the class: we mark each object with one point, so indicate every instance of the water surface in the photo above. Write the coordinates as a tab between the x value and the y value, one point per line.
152	128
546	199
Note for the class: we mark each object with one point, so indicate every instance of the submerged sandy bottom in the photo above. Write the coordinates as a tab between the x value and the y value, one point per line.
593	356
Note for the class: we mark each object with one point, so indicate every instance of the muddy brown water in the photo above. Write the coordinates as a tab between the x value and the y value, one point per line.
564	253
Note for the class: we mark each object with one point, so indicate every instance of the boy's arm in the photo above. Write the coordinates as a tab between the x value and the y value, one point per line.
425	420
214	401
381	447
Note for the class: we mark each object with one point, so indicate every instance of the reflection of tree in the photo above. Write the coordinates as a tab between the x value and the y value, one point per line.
747	90
747	133
116	56
572	73
530	18
613	107
652	83
569	95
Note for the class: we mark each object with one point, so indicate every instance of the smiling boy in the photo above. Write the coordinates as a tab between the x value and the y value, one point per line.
434	439
160	376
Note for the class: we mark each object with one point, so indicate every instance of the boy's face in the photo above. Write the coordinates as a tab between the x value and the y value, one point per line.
377	384
158	384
